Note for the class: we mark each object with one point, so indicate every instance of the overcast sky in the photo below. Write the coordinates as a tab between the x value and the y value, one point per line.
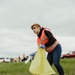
17	16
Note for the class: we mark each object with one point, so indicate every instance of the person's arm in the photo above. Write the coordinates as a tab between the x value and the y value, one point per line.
50	37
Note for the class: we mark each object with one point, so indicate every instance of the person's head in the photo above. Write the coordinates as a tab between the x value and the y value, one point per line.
36	28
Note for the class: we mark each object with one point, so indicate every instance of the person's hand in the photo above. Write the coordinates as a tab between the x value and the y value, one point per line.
42	46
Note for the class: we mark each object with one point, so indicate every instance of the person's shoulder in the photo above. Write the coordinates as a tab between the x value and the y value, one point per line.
47	29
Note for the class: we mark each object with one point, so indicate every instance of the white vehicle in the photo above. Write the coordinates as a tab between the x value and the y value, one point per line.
4	59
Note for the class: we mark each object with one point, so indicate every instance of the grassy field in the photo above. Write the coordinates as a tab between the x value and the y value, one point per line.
23	69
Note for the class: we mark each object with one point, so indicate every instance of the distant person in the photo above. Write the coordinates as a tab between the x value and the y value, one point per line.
33	54
30	57
47	41
19	58
24	58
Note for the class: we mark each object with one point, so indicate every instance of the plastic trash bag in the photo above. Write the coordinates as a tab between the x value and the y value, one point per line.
40	65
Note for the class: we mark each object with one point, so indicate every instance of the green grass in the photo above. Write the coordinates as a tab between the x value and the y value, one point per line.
23	69
14	69
69	66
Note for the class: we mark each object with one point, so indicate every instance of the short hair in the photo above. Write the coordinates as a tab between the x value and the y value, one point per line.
38	25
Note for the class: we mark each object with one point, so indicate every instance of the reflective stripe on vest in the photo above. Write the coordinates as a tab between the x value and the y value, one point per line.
51	48
43	39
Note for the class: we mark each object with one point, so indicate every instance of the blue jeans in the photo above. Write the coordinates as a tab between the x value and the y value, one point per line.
54	58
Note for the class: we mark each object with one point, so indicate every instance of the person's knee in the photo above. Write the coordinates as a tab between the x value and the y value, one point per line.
56	64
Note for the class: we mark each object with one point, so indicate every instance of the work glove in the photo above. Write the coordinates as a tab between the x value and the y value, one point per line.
42	46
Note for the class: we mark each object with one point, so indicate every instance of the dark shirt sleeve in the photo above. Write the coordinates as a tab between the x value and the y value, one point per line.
50	37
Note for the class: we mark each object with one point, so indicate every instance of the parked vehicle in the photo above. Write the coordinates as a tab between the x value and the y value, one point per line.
4	59
71	54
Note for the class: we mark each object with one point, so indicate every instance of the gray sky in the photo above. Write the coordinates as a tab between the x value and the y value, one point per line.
17	16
